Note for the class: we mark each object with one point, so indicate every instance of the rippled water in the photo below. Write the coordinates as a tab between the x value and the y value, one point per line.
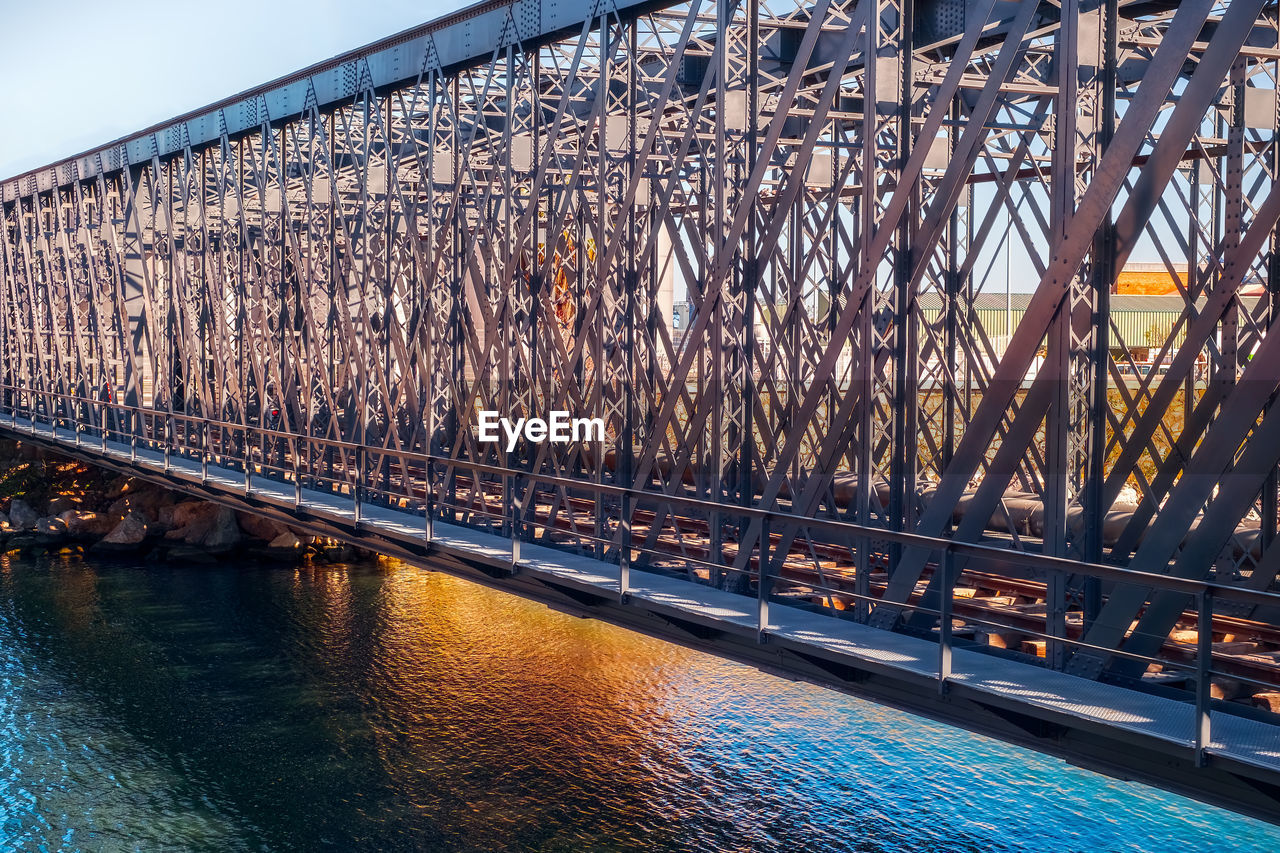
388	708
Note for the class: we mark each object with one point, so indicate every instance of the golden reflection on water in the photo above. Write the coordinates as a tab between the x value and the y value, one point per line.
333	622
76	595
498	690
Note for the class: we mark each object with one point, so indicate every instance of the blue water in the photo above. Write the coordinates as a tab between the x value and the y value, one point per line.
386	708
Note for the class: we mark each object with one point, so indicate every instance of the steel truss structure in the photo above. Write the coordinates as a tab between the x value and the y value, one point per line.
326	279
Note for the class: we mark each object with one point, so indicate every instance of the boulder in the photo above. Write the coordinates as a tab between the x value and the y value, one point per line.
288	541
120	486
62	503
128	535
225	532
257	527
192	521
21	515
51	531
51	525
143	499
81	522
155	498
287	546
189	512
156	514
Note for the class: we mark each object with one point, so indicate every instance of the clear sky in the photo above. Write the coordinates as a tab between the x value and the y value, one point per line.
75	74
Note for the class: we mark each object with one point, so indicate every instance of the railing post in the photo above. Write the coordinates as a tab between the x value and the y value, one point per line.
297	472
944	623
204	452
763	583
1204	666
624	550
429	522
168	439
508	493
248	464
355	489
515	521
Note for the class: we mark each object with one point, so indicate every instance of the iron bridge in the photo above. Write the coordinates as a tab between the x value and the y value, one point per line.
836	465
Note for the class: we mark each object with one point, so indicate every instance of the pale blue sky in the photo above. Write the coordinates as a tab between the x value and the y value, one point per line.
76	74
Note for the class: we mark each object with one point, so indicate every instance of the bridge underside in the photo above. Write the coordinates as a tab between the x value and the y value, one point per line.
761	242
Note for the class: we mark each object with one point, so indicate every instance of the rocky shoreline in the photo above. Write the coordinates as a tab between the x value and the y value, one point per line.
52	503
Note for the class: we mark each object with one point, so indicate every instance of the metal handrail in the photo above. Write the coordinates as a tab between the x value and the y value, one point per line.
1116	574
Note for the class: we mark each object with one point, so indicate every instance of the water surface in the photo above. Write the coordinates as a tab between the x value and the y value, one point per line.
384	708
